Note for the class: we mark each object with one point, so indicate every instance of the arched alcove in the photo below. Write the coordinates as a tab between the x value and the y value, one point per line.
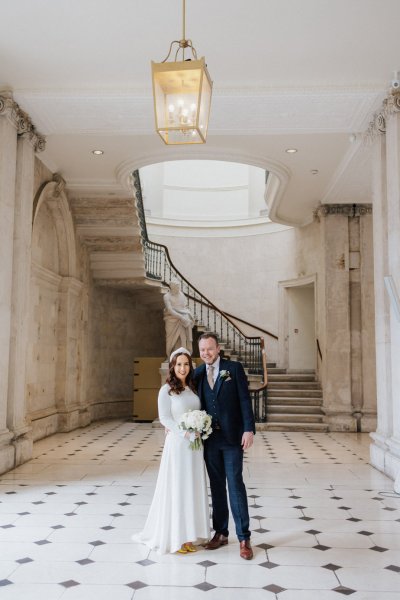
52	206
54	339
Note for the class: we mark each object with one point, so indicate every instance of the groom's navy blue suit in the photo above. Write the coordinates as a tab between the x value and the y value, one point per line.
229	404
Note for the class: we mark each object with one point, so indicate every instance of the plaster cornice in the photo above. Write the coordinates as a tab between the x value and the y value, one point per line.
21	121
347	210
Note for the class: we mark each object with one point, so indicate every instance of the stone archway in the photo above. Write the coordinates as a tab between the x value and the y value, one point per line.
56	333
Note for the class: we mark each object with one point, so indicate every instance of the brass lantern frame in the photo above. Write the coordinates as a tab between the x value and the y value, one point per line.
182	91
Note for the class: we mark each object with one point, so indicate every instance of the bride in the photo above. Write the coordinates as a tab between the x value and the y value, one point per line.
179	514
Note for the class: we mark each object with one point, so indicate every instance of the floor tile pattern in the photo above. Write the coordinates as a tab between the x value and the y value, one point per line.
324	523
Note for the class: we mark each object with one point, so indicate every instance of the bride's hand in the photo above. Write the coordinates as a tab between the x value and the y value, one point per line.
189	434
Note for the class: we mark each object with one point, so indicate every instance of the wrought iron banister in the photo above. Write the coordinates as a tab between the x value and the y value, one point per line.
248	349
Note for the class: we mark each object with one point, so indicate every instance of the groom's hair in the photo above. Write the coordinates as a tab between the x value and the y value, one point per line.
206	336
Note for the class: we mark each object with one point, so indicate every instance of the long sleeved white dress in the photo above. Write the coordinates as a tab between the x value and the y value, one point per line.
179	511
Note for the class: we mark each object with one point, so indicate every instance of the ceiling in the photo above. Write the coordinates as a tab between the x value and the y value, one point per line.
287	73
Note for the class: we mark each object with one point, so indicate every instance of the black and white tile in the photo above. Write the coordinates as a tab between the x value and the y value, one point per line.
325	524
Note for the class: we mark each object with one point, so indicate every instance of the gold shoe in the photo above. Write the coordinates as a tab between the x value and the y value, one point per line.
182	549
190	548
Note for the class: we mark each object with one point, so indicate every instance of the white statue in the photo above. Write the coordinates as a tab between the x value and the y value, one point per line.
178	319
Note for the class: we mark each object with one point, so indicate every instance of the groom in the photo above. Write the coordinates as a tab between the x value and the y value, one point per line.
224	394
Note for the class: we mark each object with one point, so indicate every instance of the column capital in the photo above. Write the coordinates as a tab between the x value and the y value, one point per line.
377	125
21	121
347	210
391	104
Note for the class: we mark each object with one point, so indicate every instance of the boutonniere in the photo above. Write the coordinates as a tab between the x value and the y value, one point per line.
225	375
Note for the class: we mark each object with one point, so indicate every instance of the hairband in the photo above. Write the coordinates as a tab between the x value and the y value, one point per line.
180	350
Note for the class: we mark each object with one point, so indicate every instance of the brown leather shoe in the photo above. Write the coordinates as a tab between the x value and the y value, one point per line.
246	550
217	541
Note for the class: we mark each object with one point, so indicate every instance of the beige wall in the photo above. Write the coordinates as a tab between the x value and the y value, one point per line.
120	329
238	274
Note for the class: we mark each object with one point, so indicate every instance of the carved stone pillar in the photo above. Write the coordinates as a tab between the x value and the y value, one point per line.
8	158
385	451
346	403
16	417
18	143
382	308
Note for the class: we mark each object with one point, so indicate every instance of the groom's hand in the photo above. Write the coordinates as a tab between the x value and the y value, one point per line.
247	440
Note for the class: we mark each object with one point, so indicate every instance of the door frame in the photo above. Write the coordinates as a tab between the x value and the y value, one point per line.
283	316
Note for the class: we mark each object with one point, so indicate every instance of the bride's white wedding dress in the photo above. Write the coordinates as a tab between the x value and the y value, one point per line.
179	510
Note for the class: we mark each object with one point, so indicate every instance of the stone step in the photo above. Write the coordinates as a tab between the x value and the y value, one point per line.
295	418
293	409
291	377
312	427
253	377
306	385
295	393
293	401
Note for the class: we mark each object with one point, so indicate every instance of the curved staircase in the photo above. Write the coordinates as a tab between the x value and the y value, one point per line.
281	401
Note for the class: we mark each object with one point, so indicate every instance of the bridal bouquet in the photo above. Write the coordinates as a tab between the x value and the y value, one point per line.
196	421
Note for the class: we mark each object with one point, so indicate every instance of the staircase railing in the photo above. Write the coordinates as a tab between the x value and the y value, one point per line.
250	350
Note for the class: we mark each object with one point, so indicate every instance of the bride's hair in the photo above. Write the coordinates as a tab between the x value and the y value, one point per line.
176	384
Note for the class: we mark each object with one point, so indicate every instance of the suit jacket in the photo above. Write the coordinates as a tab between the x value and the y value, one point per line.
232	397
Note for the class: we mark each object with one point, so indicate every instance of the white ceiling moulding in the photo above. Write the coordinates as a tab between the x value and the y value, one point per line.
97	188
273	111
279	170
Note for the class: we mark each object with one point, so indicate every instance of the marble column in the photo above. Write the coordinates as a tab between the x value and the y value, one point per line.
8	159
393	197
337	357
18	143
382	308
367	324
385	449
346	274
16	417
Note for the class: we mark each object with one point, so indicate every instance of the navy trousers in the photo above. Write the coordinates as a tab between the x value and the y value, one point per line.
224	463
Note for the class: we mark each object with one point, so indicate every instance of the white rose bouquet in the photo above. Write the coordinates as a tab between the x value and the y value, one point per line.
196	421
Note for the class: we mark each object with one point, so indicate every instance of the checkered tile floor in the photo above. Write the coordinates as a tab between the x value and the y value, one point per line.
324	523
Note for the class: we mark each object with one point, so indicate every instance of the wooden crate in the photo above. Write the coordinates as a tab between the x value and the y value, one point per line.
146	385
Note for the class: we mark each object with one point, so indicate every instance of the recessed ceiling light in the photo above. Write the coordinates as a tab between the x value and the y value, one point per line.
291	150
97	152
314	171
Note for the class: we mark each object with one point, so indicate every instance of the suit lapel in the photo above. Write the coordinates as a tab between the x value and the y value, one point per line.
218	385
201	380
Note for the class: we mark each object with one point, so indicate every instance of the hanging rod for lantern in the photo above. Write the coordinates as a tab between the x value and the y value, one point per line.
183	43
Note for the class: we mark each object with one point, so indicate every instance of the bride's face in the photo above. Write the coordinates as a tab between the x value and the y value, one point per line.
182	367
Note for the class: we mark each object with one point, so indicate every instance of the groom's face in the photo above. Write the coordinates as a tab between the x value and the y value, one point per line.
209	350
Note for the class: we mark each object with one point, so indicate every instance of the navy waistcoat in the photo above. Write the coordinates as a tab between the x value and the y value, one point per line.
210	401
